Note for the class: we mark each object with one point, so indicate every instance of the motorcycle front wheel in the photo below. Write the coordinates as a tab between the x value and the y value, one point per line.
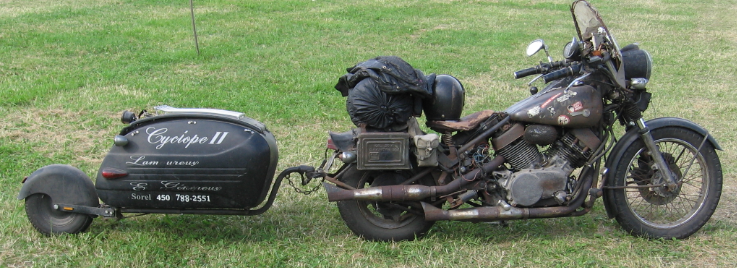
382	221
659	211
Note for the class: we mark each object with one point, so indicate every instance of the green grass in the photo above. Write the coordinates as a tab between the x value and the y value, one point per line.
69	68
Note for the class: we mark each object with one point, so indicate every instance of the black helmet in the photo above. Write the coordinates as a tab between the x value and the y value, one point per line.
446	102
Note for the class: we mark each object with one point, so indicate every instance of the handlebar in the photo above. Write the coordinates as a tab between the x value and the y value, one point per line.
542	68
527	72
568	71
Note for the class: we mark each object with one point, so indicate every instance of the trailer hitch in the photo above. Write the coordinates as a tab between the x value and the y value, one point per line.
94	211
306	173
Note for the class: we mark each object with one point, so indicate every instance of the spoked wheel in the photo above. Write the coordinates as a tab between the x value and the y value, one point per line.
47	220
668	212
382	221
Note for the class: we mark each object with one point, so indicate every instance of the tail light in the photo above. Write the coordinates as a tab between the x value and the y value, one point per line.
112	173
331	145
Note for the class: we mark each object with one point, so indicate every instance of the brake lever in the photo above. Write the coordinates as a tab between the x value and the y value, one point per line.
534	79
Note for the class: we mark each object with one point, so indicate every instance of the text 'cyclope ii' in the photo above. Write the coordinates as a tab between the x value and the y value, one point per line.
158	136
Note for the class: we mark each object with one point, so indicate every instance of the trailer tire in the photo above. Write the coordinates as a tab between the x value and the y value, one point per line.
48	221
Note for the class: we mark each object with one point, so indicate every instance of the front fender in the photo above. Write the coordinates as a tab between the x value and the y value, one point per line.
615	155
63	183
683	123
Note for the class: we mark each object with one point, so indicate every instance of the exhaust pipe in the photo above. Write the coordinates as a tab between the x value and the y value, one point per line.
382	193
401	193
496	213
433	213
390	193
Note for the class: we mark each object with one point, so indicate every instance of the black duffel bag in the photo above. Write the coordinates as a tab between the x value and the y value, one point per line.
383	92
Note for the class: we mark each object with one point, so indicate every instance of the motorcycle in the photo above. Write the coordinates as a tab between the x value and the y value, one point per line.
550	155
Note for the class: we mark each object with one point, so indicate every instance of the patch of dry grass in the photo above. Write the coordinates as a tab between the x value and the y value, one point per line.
56	131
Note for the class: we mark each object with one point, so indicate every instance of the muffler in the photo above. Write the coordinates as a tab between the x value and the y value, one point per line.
390	193
496	213
401	193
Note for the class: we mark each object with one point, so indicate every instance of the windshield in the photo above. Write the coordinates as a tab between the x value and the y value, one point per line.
592	30
587	19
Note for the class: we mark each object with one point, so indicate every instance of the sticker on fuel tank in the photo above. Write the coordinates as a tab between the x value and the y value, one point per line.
575	107
533	111
550	100
563	120
585	113
566	96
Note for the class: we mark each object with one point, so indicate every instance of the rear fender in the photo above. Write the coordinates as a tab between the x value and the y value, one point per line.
63	183
631	137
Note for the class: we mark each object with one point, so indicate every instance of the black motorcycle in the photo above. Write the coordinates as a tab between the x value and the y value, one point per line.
550	155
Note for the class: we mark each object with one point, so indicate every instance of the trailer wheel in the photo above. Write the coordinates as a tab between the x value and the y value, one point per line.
47	220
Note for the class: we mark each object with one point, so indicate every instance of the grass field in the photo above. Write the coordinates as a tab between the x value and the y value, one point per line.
69	68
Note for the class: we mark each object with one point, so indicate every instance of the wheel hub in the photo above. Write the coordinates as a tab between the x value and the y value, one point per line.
660	195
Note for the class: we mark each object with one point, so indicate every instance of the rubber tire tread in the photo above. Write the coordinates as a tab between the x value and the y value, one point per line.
39	211
630	222
357	222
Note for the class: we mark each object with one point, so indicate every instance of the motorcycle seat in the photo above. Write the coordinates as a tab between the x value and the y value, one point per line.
344	141
466	123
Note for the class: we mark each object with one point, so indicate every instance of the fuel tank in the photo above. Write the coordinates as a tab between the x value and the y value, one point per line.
577	107
191	158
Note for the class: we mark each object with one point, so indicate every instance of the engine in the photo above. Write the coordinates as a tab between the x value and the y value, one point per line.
536	176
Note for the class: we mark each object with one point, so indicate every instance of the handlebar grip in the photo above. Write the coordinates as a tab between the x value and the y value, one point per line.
526	72
568	71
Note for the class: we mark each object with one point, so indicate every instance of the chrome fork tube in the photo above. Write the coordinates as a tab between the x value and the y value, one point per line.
655	153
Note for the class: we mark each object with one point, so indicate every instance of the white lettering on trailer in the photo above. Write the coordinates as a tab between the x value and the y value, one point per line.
217	134
156	136
222	137
139	161
146	197
182	163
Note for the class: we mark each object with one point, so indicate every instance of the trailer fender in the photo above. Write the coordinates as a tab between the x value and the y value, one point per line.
63	183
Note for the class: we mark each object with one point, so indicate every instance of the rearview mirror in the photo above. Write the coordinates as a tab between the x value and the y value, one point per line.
535	46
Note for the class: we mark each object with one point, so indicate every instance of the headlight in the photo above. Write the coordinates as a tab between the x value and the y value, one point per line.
637	64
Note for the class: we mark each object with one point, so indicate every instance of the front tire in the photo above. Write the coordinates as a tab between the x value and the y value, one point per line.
48	221
659	212
382	221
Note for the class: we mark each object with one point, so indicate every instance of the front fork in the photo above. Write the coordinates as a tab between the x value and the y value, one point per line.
660	163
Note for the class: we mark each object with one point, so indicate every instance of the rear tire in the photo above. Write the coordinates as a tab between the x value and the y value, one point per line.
382	221
658	212
47	220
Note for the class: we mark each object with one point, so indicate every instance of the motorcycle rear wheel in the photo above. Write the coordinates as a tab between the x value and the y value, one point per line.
658	212
47	220
382	221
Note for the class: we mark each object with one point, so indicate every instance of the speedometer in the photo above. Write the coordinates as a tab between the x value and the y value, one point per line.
572	50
